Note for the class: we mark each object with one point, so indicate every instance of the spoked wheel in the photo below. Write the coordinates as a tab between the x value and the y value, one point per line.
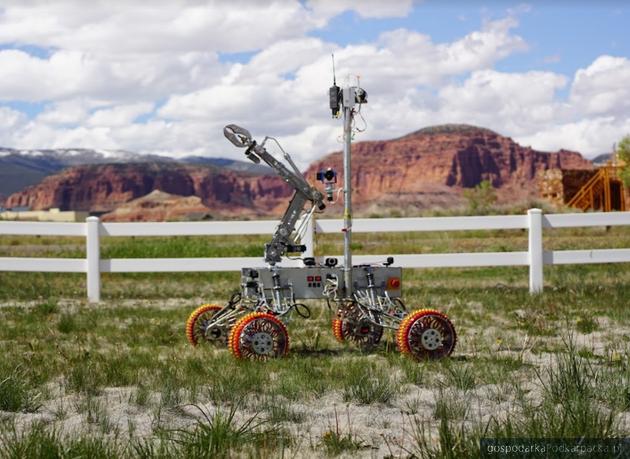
337	325
426	334
197	329
259	336
354	326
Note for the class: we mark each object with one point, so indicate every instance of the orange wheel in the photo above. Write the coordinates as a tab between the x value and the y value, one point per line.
197	323
426	334
337	329
259	336
352	325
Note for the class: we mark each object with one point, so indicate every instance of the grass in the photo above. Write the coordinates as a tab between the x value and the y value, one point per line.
568	408
221	435
557	363
366	384
43	442
216	435
279	410
16	394
336	440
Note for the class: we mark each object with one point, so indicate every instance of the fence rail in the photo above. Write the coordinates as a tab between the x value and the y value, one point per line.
534	222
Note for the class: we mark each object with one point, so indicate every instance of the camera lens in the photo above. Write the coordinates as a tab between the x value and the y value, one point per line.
329	175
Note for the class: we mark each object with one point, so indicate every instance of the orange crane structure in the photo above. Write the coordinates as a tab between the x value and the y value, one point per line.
604	191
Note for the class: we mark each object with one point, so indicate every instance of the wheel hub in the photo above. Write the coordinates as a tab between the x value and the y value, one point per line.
363	328
354	326
431	339
214	333
262	343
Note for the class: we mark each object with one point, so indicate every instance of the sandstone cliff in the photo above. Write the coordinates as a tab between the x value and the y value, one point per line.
434	164
158	206
426	169
104	187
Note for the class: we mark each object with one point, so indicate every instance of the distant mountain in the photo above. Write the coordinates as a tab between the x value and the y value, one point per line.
160	206
232	164
22	168
453	129
429	168
601	160
17	172
105	187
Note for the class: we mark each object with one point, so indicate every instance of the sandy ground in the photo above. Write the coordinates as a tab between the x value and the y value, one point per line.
383	429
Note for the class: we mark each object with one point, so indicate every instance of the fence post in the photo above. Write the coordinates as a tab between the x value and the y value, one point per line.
93	251
535	251
309	238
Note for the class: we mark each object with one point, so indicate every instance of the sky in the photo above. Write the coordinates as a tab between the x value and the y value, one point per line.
165	76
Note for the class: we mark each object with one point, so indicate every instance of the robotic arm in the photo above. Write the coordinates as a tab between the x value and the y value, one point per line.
281	242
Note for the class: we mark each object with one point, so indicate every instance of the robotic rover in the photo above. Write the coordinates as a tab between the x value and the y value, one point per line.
367	298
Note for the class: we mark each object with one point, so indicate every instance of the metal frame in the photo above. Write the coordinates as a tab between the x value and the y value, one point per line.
282	240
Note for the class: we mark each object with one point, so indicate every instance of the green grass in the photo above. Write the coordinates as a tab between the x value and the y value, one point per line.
43	442
214	435
16	394
221	435
558	363
337	440
568	408
367	384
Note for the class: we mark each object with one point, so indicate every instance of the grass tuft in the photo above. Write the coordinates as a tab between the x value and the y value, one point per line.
220	435
335	441
586	324
280	410
366	384
67	324
17	394
41	442
47	307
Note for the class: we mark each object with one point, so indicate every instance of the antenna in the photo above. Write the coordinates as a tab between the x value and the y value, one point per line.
334	93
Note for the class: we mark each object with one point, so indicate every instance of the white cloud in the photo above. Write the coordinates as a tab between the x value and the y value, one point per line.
161	26
407	58
526	106
364	8
602	87
524	100
71	111
71	74
107	65
126	52
120	115
10	122
395	68
590	135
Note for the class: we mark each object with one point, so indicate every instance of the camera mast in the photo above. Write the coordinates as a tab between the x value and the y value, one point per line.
346	99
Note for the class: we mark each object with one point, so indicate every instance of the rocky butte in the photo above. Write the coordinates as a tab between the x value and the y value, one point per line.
104	187
425	169
159	206
431	167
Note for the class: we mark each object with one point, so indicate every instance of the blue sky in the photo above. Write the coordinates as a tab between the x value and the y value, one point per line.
563	36
165	79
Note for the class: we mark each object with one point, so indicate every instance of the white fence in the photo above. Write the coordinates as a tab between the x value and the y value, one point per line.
534	222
